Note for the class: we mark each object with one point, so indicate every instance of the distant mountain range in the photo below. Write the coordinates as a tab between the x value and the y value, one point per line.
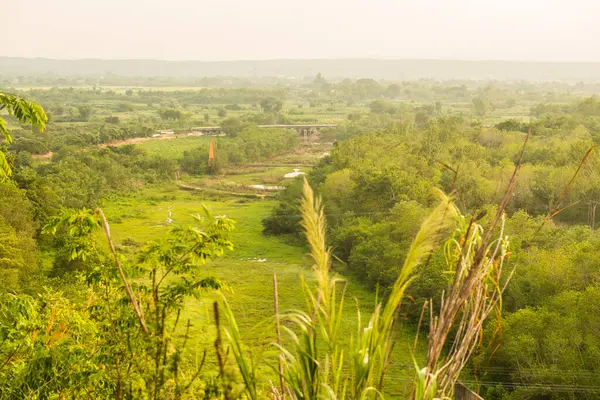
334	68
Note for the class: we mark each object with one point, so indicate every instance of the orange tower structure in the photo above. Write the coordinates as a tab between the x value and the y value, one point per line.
211	155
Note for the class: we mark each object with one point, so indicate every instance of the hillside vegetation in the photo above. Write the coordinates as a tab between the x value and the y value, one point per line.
446	232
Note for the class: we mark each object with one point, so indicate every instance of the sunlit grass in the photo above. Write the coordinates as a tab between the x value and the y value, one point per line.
173	148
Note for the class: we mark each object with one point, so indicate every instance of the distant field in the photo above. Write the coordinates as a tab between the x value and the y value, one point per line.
173	148
295	110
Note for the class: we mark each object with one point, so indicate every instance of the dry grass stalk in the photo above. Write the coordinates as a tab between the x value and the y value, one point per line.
477	260
281	395
311	360
485	297
132	299
219	348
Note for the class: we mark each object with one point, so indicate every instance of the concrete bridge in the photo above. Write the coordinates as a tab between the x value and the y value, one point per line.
305	130
208	130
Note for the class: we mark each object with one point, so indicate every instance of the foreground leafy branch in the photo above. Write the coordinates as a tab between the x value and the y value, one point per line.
153	306
25	111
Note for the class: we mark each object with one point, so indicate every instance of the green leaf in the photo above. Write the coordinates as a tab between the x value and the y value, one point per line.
5	170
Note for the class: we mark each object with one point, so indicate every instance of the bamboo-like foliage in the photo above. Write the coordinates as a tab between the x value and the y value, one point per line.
425	384
374	342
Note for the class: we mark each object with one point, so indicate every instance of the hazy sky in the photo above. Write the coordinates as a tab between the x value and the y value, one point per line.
548	30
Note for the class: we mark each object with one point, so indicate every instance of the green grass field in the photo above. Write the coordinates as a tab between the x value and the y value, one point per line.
248	269
173	148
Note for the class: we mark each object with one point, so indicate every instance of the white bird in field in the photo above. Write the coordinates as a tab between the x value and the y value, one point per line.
169	220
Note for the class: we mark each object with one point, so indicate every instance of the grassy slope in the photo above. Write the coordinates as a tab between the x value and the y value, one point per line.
142	217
